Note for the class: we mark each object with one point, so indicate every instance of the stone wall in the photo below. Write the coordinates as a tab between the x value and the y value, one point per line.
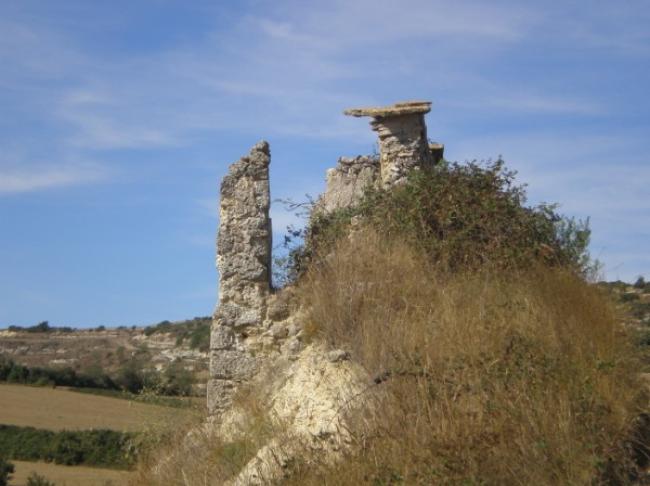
244	262
348	180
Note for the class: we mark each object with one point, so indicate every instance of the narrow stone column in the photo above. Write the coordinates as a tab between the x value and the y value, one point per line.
244	263
403	143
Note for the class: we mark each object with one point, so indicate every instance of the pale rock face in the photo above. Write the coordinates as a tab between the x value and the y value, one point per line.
311	399
244	262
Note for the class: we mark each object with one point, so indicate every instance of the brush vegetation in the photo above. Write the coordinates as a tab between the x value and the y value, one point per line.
485	377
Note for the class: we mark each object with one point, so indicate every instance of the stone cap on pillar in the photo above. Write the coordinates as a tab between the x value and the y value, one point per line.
398	109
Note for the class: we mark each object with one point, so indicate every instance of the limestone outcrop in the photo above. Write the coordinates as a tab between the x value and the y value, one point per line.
309	400
244	262
403	142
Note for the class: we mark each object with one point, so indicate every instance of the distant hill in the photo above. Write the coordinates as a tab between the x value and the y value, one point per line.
634	303
152	356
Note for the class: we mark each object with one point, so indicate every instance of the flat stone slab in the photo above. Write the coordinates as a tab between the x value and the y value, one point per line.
398	109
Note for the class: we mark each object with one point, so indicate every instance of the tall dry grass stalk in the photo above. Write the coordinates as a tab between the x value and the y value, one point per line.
486	377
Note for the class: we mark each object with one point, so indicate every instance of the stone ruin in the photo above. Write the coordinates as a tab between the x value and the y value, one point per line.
250	323
403	146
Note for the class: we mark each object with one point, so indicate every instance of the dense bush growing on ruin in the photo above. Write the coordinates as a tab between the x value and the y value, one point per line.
464	216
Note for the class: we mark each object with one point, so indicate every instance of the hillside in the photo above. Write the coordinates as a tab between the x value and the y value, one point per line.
162	348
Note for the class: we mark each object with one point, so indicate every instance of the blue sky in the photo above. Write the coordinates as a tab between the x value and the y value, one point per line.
118	120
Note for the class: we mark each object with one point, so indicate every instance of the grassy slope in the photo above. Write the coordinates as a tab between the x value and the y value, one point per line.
488	377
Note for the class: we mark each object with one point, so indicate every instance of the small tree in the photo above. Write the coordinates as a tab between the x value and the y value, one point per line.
640	282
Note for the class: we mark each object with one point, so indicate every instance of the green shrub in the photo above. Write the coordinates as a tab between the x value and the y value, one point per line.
6	470
131	377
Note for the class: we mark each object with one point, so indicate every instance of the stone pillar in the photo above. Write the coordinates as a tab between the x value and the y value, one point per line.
403	143
244	262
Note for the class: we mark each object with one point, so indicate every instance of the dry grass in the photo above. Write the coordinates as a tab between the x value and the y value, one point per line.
67	475
487	378
57	409
192	453
522	378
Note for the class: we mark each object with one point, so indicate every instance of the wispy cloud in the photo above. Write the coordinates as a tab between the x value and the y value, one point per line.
15	180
